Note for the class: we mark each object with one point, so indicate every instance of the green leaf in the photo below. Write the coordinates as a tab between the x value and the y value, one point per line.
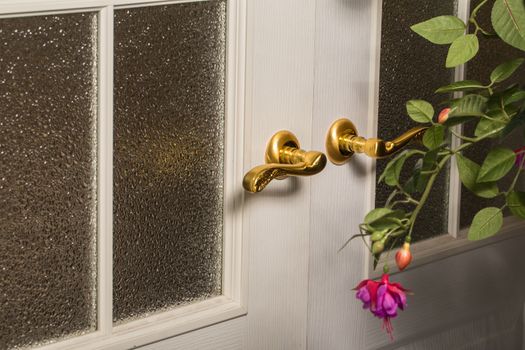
516	203
497	164
383	218
502	96
514	97
464	85
434	136
420	111
462	50
466	109
440	30
505	70
469	105
508	20
486	126
411	185
428	163
515	122
393	169
486	223
392	176
468	173
377	214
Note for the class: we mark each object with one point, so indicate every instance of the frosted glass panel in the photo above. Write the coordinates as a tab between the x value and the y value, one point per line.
47	178
411	68
492	52
169	153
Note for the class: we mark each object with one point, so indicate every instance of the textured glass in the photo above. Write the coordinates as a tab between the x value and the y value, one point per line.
492	53
169	153
411	68
48	111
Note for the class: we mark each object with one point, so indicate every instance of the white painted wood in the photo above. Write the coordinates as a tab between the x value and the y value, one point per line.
308	62
105	174
279	96
225	335
340	195
477	284
499	330
444	246
454	200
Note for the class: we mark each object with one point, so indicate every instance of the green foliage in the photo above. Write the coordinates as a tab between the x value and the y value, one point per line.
505	70
497	164
420	111
462	50
516	203
508	20
464	85
486	126
440	30
469	106
496	109
516	96
428	165
381	219
468	174
393	169
434	136
486	223
515	122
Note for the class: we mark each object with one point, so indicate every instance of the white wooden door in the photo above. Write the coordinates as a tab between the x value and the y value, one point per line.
299	65
308	63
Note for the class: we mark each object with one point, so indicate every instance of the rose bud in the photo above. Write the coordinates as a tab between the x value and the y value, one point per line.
403	256
443	115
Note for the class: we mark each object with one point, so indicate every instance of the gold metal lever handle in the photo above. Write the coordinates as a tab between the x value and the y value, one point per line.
343	141
284	157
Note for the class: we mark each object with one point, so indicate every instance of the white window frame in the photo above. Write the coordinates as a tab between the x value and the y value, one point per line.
455	240
232	303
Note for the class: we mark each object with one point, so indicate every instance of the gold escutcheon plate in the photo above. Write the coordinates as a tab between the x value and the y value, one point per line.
338	129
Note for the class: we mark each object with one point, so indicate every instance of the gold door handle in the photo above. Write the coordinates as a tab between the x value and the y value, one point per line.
343	141
284	157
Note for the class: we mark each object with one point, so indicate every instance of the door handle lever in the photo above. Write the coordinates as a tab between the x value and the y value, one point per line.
284	157
343	141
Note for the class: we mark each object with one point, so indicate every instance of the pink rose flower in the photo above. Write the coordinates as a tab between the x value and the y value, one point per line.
383	299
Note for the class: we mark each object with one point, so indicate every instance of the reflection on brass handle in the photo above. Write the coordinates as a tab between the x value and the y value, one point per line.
343	141
284	157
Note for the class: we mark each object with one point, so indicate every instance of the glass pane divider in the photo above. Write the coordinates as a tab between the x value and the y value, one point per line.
454	201
105	171
373	107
